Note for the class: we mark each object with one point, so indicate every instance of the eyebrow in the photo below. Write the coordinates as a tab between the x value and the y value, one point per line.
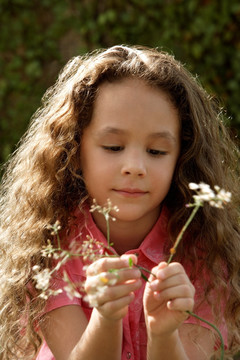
156	135
112	130
163	134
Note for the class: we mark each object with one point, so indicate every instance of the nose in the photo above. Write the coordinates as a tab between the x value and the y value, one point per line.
134	165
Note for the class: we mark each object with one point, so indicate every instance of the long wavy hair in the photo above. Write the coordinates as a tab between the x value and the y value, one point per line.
42	183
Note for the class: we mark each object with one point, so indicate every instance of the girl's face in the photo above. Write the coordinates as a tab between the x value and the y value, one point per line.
130	149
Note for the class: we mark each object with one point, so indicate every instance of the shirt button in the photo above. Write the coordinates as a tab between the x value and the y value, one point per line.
129	355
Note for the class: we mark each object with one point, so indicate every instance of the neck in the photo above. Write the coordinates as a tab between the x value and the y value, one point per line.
125	239
124	235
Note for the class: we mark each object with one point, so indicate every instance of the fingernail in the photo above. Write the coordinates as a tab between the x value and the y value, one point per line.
169	304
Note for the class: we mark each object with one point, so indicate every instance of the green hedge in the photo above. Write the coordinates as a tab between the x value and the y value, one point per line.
38	37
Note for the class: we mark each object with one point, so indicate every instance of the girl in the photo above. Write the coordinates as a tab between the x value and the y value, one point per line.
128	124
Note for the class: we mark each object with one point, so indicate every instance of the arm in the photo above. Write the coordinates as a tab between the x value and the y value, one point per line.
70	336
166	299
183	345
66	329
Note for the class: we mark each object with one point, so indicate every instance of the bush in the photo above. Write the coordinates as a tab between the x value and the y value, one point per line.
37	38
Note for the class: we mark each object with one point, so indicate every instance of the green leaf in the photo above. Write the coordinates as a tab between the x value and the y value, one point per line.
144	277
130	261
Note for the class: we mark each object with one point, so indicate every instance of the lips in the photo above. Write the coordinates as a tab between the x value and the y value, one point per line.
130	192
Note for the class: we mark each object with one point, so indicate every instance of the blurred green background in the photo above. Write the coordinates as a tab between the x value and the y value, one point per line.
38	37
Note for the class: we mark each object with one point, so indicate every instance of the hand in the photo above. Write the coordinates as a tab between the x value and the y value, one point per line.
167	297
110	285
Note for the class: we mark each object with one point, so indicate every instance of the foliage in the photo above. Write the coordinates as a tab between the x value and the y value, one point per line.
38	37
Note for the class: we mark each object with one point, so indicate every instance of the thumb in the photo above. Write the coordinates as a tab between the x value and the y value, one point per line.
154	271
131	259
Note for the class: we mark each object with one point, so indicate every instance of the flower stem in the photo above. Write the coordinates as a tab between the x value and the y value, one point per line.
180	235
108	231
173	251
58	241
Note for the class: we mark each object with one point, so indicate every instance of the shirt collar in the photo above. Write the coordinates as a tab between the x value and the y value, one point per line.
153	244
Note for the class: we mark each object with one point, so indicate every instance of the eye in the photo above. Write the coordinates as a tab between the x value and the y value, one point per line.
156	153
113	148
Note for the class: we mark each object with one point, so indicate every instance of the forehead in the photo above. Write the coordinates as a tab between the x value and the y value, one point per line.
133	101
128	90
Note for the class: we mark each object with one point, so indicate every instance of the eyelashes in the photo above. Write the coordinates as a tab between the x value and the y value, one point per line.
152	152
113	148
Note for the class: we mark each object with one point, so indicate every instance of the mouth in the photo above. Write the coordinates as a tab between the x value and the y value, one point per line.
129	192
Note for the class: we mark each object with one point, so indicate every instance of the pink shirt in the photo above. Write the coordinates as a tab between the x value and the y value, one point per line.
150	253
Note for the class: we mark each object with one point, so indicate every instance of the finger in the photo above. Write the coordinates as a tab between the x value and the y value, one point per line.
186	304
105	264
175	280
154	270
109	294
125	274
172	269
106	294
176	292
153	274
94	282
112	278
127	257
116	305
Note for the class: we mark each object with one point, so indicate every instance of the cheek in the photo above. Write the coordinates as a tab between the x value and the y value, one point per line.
102	164
95	172
166	169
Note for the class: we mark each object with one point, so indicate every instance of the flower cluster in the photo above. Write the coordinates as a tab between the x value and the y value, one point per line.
90	250
54	228
49	251
100	284
71	288
206	194
104	210
42	279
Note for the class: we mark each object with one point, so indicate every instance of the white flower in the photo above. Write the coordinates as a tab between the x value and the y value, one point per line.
70	288
47	250
105	210
93	297
42	279
45	294
104	280
224	196
71	291
54	228
92	300
36	268
206	194
100	283
193	186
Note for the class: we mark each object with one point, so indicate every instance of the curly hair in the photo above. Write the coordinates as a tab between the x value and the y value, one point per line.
42	183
